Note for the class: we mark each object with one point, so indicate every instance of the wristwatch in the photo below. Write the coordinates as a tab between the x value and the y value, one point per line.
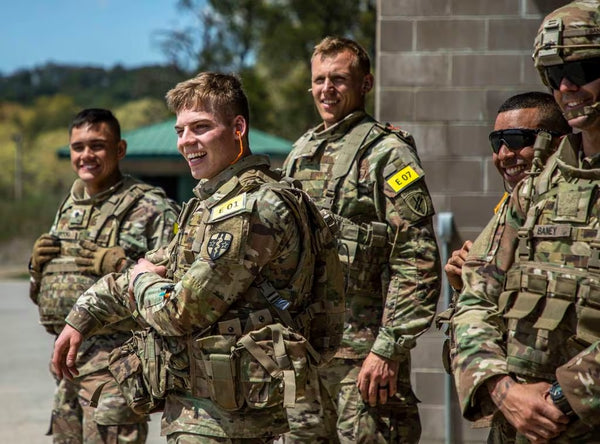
559	399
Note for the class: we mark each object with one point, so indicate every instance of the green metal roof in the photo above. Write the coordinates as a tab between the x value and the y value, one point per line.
159	140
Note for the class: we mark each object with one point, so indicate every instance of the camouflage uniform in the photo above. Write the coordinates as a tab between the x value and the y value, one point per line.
388	245
237	227
488	243
530	308
138	218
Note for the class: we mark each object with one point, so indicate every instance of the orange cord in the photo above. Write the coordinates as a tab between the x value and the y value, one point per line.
241	148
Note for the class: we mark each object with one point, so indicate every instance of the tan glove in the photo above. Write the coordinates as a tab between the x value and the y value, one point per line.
45	248
99	260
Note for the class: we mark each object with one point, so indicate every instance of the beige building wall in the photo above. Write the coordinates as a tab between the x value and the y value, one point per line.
443	67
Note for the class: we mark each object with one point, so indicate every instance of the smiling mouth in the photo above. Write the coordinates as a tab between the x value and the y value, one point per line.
193	156
515	170
575	104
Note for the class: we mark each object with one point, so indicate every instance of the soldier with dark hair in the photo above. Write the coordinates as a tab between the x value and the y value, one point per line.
250	277
527	324
520	119
107	222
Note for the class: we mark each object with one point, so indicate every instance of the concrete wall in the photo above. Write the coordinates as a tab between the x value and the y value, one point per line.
443	67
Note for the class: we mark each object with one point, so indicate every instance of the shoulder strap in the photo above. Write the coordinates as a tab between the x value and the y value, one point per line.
61	208
300	148
116	207
361	138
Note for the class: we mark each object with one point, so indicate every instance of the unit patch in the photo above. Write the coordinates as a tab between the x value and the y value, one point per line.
79	217
417	201
218	244
402	178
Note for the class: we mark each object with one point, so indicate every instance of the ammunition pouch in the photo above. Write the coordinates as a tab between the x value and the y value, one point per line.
145	369
552	314
364	242
261	369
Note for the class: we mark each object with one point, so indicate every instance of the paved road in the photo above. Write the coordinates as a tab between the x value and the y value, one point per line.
26	386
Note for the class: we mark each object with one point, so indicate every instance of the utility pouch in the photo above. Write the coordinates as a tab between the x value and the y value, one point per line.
274	364
215	370
142	383
588	312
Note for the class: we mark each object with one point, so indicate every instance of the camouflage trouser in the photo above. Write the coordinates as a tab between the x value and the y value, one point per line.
75	422
503	432
337	405
189	438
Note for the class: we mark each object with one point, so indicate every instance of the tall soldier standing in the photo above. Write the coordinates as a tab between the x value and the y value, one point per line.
244	265
370	176
527	325
105	224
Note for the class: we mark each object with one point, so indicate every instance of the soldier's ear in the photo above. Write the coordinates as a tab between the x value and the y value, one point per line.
121	149
239	126
367	84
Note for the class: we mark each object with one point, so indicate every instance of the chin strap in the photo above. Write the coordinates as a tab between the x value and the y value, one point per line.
589	110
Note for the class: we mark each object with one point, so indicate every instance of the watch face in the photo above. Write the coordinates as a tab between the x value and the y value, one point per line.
556	392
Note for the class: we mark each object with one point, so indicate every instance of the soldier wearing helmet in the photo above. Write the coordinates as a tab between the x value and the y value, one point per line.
527	323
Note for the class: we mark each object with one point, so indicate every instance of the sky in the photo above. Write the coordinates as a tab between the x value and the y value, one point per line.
84	32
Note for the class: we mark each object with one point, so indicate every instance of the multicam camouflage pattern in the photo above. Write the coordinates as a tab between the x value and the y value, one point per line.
187	438
407	277
237	227
576	37
534	305
483	249
343	411
393	286
580	379
131	214
137	217
74	421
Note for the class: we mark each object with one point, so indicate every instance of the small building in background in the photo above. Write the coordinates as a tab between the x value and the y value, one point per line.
152	156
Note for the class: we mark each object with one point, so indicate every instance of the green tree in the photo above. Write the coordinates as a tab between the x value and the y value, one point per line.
269	44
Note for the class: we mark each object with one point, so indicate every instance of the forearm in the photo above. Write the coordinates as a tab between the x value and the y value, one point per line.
202	296
413	292
103	303
479	332
580	382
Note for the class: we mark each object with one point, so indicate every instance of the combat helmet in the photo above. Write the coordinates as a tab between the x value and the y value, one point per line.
568	34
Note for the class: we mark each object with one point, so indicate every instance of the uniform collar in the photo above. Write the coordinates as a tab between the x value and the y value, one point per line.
80	195
339	129
208	187
571	161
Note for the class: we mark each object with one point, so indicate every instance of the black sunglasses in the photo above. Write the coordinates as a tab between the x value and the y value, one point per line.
579	73
515	138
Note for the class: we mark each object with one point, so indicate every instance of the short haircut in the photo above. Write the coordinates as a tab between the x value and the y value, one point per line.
551	117
219	94
94	116
331	46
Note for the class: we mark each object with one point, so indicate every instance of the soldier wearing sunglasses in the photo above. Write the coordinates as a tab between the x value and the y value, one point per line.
527	323
519	121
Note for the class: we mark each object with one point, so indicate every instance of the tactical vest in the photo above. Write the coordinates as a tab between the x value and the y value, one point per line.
360	244
62	280
551	300
302	307
195	221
